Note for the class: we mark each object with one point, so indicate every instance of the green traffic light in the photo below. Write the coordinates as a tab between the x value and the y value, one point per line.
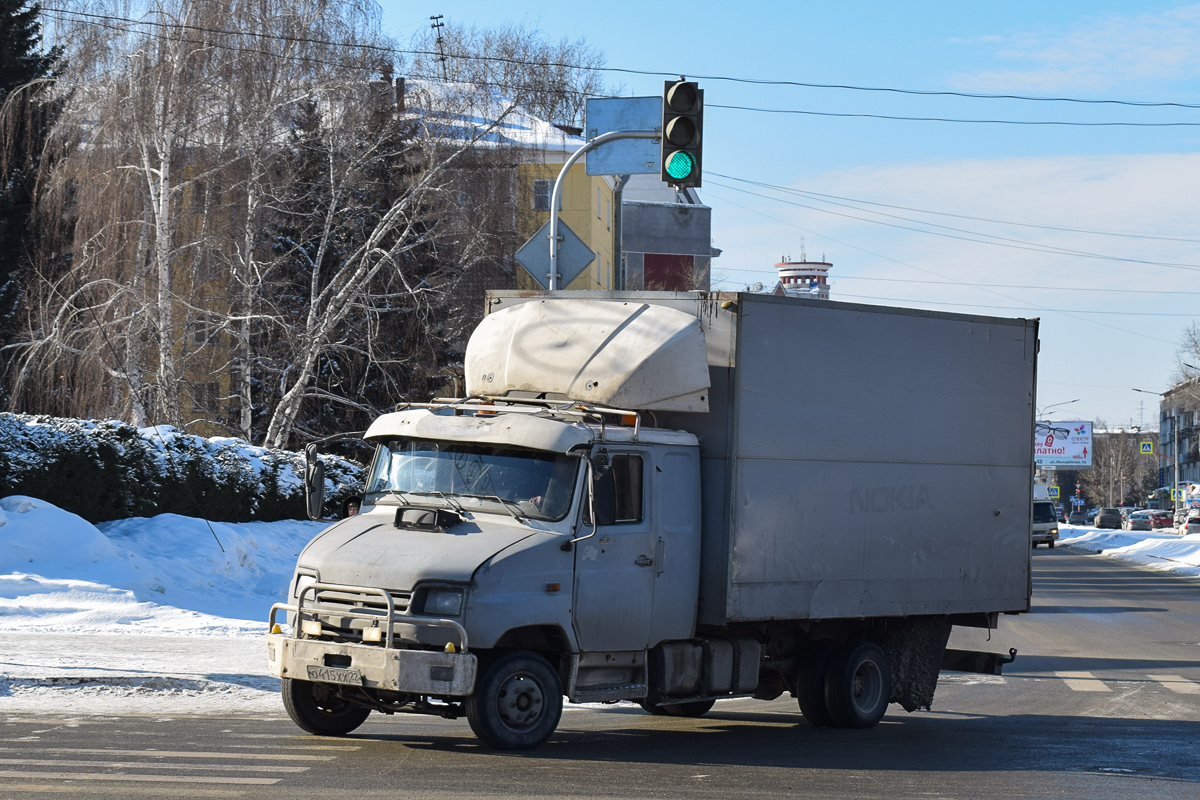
680	165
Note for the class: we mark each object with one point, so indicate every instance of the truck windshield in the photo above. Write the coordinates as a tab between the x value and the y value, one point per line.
1043	512
533	483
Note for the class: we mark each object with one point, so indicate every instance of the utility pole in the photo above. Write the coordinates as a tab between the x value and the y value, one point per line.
437	25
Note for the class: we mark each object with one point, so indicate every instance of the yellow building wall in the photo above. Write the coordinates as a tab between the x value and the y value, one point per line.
587	209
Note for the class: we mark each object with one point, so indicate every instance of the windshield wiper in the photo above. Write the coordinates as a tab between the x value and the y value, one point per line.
511	506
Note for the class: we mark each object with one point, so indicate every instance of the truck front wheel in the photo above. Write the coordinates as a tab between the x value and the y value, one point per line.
857	685
517	702
317	708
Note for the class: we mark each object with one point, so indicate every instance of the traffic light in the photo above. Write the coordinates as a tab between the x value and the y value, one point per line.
682	120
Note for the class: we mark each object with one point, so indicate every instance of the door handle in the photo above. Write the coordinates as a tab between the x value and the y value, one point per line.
644	561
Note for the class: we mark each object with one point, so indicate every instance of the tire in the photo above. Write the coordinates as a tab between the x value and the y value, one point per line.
810	685
857	685
650	708
1050	545
316	708
517	702
696	708
1035	544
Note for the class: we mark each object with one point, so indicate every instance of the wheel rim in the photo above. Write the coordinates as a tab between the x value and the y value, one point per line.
519	702
868	686
326	700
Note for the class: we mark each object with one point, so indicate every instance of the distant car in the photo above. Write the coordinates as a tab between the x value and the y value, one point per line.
1162	519
1091	514
1181	517
1139	521
1077	518
1109	518
1192	526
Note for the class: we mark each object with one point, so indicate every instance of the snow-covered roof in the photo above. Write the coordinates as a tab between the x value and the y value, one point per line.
462	110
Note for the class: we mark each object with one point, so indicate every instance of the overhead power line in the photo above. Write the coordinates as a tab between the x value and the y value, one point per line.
989	239
961	121
818	195
441	54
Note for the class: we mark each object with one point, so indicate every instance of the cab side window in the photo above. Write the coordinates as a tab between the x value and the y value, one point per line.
618	492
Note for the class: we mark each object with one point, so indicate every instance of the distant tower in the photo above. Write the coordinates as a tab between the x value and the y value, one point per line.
803	278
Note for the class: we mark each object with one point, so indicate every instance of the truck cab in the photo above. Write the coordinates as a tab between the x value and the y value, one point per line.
519	547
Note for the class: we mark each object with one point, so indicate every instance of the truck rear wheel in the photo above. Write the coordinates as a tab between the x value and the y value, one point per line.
317	708
810	685
517	703
857	685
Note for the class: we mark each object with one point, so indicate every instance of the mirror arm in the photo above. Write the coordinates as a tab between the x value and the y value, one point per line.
591	507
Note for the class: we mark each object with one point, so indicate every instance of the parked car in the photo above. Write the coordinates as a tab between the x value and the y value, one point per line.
1181	517
1139	521
1091	514
1162	519
1192	525
1109	518
1077	518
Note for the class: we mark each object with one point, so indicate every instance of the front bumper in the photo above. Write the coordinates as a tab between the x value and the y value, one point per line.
306	655
420	672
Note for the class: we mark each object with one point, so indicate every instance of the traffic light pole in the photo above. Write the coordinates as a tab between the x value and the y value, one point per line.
556	194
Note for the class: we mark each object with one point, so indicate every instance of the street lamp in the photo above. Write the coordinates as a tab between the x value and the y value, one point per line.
1043	409
1174	450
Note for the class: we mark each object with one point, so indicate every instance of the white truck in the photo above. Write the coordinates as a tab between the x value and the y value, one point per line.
673	498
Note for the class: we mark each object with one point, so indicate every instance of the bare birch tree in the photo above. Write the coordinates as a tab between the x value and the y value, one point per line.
552	80
254	234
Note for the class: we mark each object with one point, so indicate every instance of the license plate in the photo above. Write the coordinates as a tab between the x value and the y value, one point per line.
334	675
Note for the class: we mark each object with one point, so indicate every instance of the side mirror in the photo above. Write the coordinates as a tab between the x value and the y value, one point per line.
314	482
600	465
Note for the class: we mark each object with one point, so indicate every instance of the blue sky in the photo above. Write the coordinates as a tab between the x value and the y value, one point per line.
1108	325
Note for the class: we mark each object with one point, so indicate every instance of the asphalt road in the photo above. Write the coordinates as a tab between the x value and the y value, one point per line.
1102	702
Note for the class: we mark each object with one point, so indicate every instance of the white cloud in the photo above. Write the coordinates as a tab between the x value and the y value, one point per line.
1098	53
1096	357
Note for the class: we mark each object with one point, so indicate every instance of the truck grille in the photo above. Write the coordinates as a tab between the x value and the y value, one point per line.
330	604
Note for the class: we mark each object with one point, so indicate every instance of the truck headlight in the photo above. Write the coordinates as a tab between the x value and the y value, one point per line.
445	602
302	580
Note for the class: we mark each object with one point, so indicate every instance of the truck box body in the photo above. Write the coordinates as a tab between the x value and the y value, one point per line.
857	461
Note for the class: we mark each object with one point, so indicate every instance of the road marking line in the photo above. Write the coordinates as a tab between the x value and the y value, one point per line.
97	751
117	776
1176	683
1083	682
58	762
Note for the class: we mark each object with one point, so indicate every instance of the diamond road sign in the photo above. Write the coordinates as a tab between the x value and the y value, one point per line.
573	256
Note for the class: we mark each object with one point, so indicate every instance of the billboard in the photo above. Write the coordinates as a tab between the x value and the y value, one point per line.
1063	444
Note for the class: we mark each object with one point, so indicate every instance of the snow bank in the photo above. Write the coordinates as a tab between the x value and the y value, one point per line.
1164	551
165	574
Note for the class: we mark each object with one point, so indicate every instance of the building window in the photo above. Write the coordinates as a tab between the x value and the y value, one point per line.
608	214
541	194
597	202
203	331
204	395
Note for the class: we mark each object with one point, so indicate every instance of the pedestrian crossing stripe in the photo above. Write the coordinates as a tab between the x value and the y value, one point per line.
1083	682
1176	683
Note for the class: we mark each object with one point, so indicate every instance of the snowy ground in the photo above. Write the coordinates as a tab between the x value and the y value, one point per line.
166	615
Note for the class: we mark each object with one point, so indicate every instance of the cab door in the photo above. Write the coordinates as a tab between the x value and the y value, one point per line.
613	599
